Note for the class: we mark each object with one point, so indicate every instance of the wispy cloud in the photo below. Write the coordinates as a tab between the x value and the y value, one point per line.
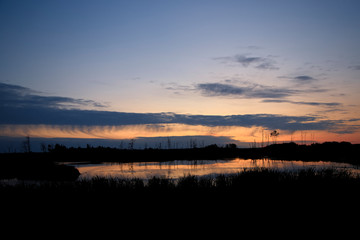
355	67
304	78
246	61
327	104
249	91
300	79
18	96
265	63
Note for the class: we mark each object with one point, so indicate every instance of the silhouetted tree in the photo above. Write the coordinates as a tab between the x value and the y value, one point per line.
43	147
230	145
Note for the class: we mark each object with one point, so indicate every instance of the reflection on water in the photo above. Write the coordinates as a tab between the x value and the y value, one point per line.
177	169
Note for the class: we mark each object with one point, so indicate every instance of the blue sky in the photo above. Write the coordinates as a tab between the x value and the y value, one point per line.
208	58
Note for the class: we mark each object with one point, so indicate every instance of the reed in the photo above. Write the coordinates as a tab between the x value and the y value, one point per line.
260	178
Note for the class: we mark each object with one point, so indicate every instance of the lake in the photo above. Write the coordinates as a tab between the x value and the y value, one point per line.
180	168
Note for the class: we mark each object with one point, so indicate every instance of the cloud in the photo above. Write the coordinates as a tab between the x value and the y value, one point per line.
355	67
21	106
327	104
304	78
246	61
264	63
18	96
300	79
267	65
72	117
250	91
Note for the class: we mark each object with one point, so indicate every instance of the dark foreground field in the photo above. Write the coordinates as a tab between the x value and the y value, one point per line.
258	198
51	189
304	185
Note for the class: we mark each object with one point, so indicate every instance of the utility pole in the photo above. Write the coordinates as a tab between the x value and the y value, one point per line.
26	144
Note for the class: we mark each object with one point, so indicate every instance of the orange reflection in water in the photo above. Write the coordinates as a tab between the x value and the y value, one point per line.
178	169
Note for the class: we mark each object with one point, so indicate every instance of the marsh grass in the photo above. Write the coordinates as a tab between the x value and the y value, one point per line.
254	192
251	180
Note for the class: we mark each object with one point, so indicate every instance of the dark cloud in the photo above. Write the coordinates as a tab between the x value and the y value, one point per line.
267	65
219	89
354	120
18	96
74	117
327	104
21	106
304	78
355	67
271	121
255	91
257	62
300	79
246	61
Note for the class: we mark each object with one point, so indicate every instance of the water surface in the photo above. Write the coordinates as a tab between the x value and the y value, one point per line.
180	168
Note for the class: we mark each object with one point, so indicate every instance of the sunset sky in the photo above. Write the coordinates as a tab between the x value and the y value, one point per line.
229	70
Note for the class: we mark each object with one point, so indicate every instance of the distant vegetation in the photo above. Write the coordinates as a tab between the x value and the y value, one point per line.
328	151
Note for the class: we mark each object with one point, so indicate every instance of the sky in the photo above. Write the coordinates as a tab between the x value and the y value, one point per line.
233	70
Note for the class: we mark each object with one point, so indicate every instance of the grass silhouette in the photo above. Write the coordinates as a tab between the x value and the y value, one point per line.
251	181
252	195
259	188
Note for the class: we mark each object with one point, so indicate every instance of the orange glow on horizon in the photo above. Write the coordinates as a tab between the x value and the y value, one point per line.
256	135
